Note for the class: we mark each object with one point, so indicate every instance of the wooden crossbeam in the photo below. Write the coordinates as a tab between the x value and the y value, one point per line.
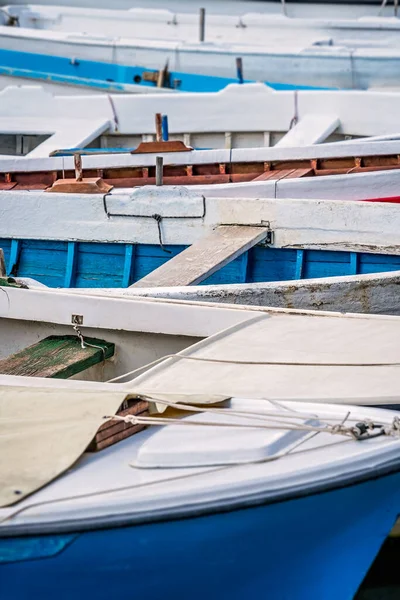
3	272
311	129
204	257
59	357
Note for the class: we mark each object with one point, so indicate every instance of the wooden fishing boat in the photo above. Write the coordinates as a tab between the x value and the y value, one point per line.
272	468
366	170
57	72
293	8
326	63
173	237
253	28
61	75
37	123
371	293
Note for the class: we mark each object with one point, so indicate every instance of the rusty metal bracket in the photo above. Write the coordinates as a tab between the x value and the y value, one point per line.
80	185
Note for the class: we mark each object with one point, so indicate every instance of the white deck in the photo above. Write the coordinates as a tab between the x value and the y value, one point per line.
240	116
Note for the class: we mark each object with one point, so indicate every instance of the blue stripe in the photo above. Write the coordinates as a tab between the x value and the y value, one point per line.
108	76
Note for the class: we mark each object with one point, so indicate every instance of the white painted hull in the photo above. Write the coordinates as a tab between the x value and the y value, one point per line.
352	186
247	28
303	64
65	89
340	9
157	328
370	294
307	224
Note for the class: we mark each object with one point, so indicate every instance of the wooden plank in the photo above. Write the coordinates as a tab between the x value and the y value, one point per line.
58	357
353	263
204	257
14	257
275	175
130	250
311	129
297	173
114	431
299	264
3	272
70	270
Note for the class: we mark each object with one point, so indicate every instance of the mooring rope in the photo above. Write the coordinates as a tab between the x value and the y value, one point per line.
250	362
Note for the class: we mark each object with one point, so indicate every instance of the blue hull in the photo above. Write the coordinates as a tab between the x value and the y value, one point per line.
108	76
91	264
311	548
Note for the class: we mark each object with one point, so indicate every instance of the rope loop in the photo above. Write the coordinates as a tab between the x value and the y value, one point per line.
158	218
85	344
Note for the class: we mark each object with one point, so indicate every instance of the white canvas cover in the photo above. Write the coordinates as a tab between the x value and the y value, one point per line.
43	431
320	358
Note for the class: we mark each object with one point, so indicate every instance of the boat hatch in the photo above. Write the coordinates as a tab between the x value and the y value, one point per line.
249	439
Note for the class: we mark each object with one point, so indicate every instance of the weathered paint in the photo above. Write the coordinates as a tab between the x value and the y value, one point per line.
373	293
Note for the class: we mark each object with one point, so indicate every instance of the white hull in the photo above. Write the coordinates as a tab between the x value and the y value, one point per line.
156	328
345	66
247	28
321	9
301	224
351	186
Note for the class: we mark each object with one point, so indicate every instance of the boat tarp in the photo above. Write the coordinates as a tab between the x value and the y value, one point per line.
350	359
43	431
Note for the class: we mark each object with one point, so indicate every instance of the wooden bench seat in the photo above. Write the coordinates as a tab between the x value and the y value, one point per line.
57	356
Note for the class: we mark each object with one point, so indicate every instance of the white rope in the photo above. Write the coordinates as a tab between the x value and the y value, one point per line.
158	421
249	362
85	344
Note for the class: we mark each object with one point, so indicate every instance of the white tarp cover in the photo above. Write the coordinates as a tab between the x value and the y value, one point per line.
340	358
44	431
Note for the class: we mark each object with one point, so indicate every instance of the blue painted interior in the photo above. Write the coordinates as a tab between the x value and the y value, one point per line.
318	547
107	76
92	264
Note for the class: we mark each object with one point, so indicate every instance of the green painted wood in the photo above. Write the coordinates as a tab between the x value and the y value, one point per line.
56	356
9	282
